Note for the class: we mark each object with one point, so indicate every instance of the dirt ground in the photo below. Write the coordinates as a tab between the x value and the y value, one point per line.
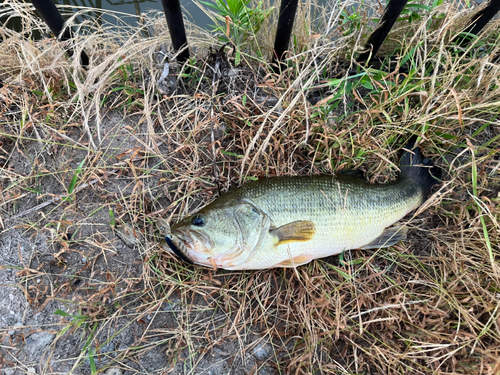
76	265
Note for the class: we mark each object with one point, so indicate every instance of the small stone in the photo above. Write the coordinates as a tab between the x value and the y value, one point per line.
170	306
31	371
14	330
9	371
149	317
260	352
108	348
36	343
114	371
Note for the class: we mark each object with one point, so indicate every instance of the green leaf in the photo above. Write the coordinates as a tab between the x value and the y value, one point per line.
345	275
62	313
231	154
112	222
74	180
366	83
334	82
409	55
92	362
419	6
209	5
448	136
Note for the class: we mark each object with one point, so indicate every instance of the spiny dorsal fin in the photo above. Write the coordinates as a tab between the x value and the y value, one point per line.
355	173
389	237
296	231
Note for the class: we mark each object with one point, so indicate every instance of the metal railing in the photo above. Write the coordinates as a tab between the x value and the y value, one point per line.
288	8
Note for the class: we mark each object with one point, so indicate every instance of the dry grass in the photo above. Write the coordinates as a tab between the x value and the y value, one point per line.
428	305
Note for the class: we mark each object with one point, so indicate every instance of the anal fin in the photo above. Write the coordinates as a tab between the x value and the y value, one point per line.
295	262
389	237
301	230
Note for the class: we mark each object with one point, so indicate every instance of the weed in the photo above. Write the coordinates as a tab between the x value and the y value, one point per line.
350	20
74	181
238	23
128	87
410	12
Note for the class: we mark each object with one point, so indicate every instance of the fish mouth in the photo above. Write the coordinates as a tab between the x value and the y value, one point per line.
176	249
189	246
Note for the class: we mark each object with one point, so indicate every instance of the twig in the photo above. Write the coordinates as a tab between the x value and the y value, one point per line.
215	84
385	307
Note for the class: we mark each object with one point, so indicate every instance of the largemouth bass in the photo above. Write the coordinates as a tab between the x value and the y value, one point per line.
289	221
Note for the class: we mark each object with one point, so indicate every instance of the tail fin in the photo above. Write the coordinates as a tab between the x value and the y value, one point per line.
420	170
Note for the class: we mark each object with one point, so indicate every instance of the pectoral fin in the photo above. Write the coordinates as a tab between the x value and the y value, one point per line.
389	237
295	231
295	262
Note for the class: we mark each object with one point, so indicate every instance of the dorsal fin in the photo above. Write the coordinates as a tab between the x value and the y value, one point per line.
355	173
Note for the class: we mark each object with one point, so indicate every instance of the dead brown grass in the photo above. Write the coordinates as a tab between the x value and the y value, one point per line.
428	305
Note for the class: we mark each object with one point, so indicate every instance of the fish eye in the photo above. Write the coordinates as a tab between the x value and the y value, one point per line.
198	221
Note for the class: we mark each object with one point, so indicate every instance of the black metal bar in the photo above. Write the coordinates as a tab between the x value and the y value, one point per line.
479	20
54	20
288	8
175	23
391	14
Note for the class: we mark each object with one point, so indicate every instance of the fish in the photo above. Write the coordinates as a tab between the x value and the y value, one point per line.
291	220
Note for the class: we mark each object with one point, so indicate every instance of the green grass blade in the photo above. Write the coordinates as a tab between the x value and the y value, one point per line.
74	180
